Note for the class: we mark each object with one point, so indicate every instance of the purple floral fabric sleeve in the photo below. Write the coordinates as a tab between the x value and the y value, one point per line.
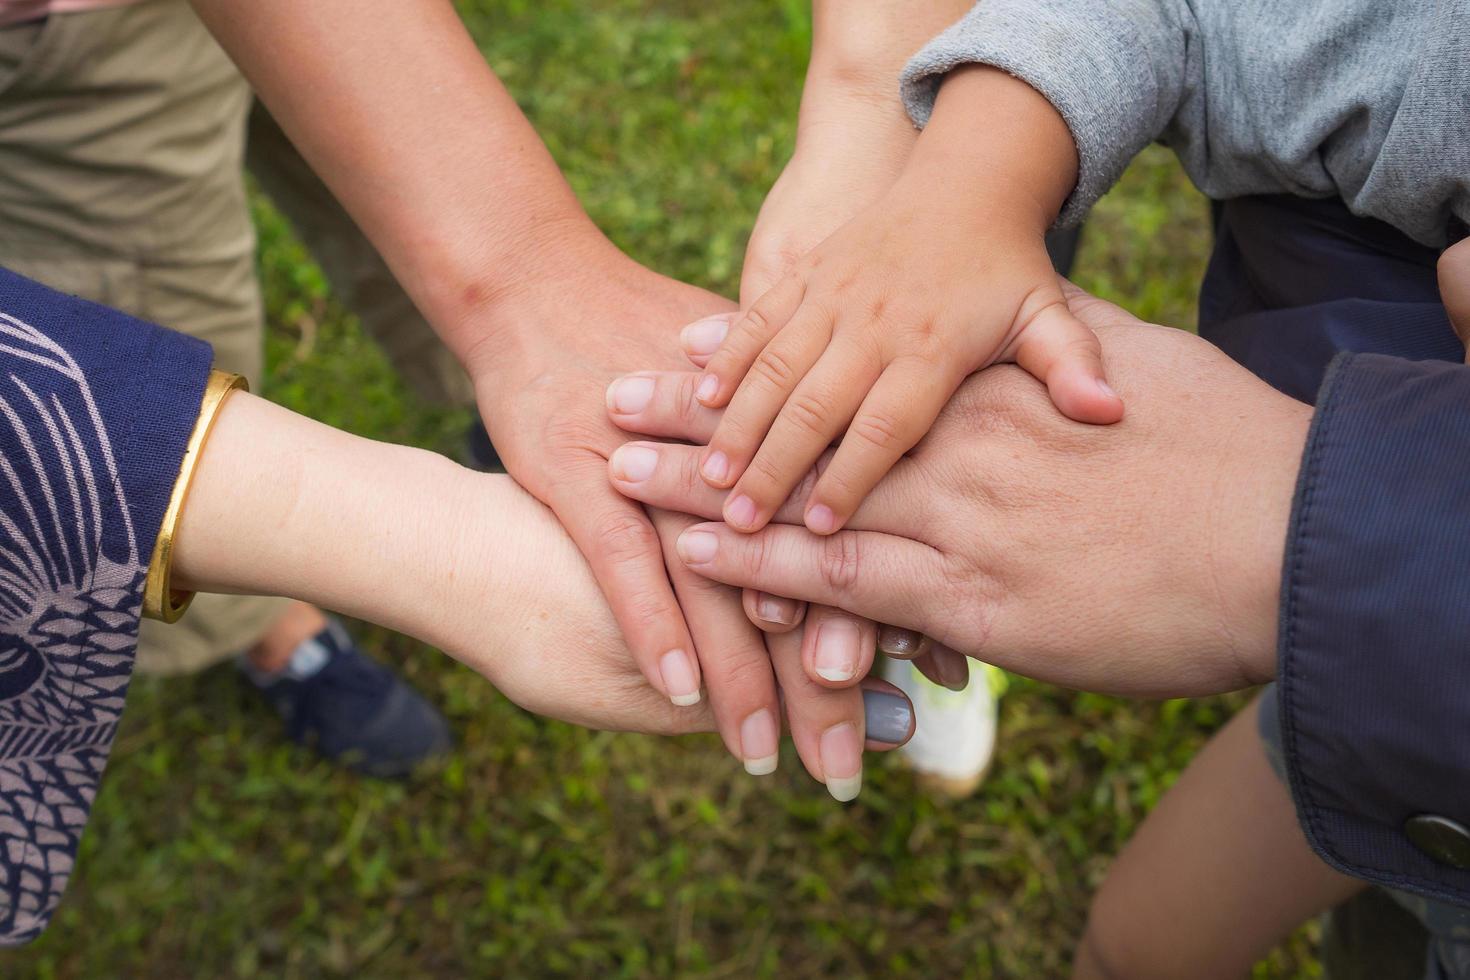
95	410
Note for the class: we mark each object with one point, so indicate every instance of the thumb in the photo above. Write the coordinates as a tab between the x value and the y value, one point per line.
1454	289
1063	352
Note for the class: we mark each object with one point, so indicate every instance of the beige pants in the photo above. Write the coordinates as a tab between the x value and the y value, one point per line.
124	134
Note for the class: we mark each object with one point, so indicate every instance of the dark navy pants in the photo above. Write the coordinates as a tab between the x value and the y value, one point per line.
1293	282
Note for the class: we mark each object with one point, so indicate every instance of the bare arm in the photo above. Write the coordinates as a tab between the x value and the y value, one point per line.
394	106
283	505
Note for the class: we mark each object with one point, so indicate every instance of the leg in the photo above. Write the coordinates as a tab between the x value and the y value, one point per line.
130	194
1217	874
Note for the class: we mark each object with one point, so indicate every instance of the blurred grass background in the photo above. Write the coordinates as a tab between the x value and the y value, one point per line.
542	850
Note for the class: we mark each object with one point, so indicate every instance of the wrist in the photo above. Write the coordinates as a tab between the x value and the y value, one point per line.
1261	493
995	149
488	303
866	43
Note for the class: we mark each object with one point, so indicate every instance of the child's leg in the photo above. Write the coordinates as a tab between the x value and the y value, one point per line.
1216	876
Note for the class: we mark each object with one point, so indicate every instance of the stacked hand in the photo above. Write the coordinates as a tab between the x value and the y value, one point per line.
546	400
1142	558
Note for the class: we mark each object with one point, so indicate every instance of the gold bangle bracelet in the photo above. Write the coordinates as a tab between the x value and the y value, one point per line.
160	600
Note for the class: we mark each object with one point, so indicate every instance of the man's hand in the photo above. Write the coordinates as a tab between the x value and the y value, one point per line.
545	398
1142	558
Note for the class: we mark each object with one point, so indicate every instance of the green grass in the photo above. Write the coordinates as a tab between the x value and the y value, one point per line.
540	849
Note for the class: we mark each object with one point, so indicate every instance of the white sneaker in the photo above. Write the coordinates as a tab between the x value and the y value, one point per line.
954	731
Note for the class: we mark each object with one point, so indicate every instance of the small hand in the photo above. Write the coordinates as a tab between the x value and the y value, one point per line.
874	329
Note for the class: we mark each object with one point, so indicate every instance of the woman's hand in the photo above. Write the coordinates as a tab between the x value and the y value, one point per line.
1142	558
282	505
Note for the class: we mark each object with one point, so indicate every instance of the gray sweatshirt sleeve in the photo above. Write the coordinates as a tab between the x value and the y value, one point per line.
1116	70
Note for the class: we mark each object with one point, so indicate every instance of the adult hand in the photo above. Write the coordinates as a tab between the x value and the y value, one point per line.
1141	558
544	396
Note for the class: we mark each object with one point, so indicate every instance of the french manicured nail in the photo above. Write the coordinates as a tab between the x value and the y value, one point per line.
709	386
821	520
705	336
842	761
740	511
716	467
760	742
836	656
775	609
634	463
1106	388
629	396
898	642
887	717
698	547
678	675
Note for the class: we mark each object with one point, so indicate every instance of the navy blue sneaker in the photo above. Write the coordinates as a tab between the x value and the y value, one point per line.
352	709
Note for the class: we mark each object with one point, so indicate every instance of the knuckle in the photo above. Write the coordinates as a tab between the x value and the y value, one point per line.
841	560
623	537
686	406
809	412
743	670
880	430
775	368
1083	347
688	481
764	471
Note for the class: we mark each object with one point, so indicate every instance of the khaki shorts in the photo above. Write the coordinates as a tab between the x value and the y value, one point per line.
124	135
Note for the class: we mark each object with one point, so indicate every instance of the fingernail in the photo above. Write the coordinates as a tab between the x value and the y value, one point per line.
698	547
1106	388
705	336
708	386
634	463
629	396
887	717
678	675
956	673
821	520
837	649
740	511
759	743
899	642
842	761
775	609
716	467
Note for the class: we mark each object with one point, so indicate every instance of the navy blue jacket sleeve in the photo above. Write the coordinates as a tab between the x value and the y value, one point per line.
1374	657
95	411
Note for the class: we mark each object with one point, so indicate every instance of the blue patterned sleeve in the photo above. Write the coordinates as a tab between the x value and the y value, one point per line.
95	411
1374	663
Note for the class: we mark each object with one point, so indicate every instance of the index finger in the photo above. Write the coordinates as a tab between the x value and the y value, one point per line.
622	549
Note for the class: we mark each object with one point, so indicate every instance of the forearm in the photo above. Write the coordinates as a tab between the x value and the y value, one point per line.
391	102
994	149
1116	72
283	505
860	46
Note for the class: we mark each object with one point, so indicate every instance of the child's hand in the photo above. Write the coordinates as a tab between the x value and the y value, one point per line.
874	330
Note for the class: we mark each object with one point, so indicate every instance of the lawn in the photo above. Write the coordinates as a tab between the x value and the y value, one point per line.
539	849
